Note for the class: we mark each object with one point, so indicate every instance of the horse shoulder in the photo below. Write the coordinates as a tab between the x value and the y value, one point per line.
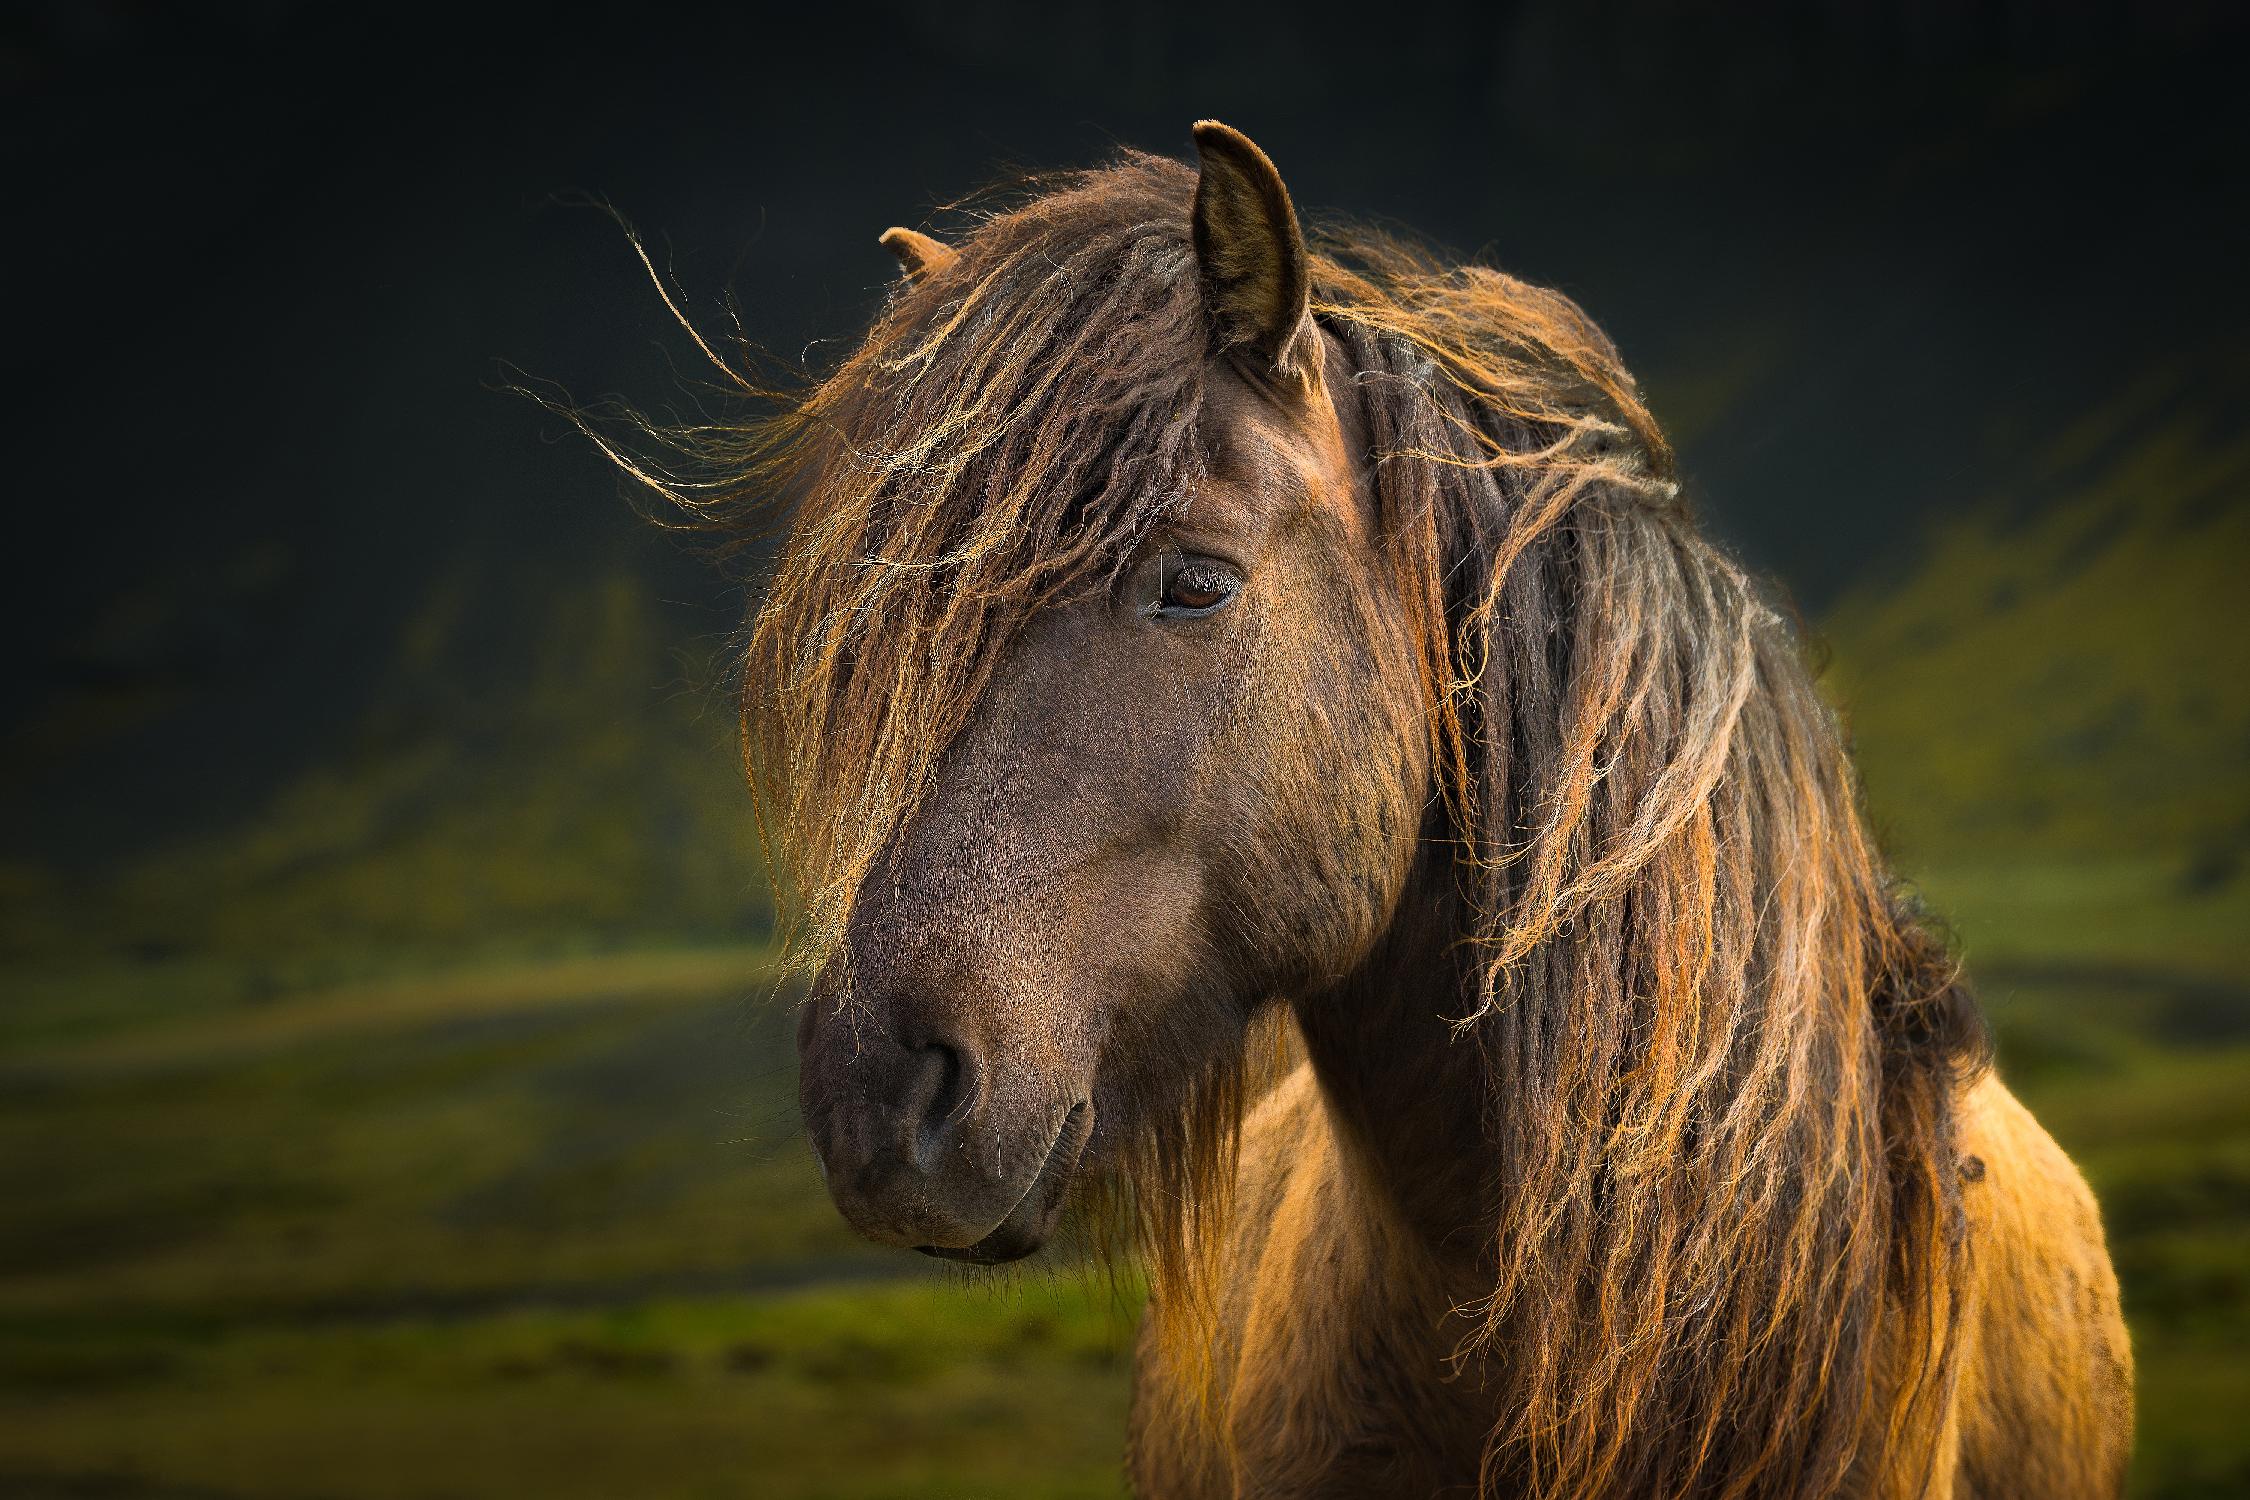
2045	1405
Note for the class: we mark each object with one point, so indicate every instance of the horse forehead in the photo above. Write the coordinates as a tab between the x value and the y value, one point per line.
1271	462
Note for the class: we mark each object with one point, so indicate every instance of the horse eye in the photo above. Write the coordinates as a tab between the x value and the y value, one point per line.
1197	586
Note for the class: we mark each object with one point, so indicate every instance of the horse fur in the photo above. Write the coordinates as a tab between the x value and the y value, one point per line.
1640	1138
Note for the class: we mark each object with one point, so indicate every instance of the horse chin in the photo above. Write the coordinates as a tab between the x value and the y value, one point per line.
1032	1221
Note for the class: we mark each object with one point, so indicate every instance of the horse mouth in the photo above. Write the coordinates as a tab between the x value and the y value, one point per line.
1032	1220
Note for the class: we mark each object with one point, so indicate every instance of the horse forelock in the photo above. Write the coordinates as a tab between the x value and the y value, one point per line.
1001	442
1721	1049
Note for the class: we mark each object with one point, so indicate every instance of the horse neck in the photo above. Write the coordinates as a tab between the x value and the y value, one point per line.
1405	1095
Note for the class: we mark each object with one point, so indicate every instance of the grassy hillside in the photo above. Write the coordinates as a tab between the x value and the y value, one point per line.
539	765
2052	714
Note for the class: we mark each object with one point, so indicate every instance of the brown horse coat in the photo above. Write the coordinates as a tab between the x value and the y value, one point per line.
1338	1380
1185	635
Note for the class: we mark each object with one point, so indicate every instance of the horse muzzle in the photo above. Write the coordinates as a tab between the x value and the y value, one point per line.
920	1149
1032	1221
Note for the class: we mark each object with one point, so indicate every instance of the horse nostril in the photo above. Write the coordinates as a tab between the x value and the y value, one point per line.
946	1089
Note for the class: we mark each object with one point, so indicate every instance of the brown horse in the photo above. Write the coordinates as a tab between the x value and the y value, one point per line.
1192	647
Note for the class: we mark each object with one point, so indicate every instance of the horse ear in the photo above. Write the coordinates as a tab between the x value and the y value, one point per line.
918	254
1256	278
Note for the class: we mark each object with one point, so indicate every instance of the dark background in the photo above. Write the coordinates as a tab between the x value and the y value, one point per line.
333	664
270	259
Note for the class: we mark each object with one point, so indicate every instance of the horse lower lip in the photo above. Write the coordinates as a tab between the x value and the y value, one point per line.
1021	1231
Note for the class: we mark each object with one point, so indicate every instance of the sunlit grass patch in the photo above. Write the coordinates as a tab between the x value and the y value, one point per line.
930	1388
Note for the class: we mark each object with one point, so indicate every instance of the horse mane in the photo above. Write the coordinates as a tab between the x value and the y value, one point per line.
1707	1014
1722	1047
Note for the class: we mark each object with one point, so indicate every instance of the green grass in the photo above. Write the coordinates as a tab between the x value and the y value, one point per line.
549	1227
533	1228
582	1121
917	1389
2094	913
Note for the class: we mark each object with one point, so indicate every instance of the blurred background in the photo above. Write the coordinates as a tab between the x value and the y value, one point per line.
395	1098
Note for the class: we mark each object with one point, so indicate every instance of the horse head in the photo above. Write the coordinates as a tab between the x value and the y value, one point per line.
1183	792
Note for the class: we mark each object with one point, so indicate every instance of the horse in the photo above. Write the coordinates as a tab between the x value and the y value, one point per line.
1254	744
